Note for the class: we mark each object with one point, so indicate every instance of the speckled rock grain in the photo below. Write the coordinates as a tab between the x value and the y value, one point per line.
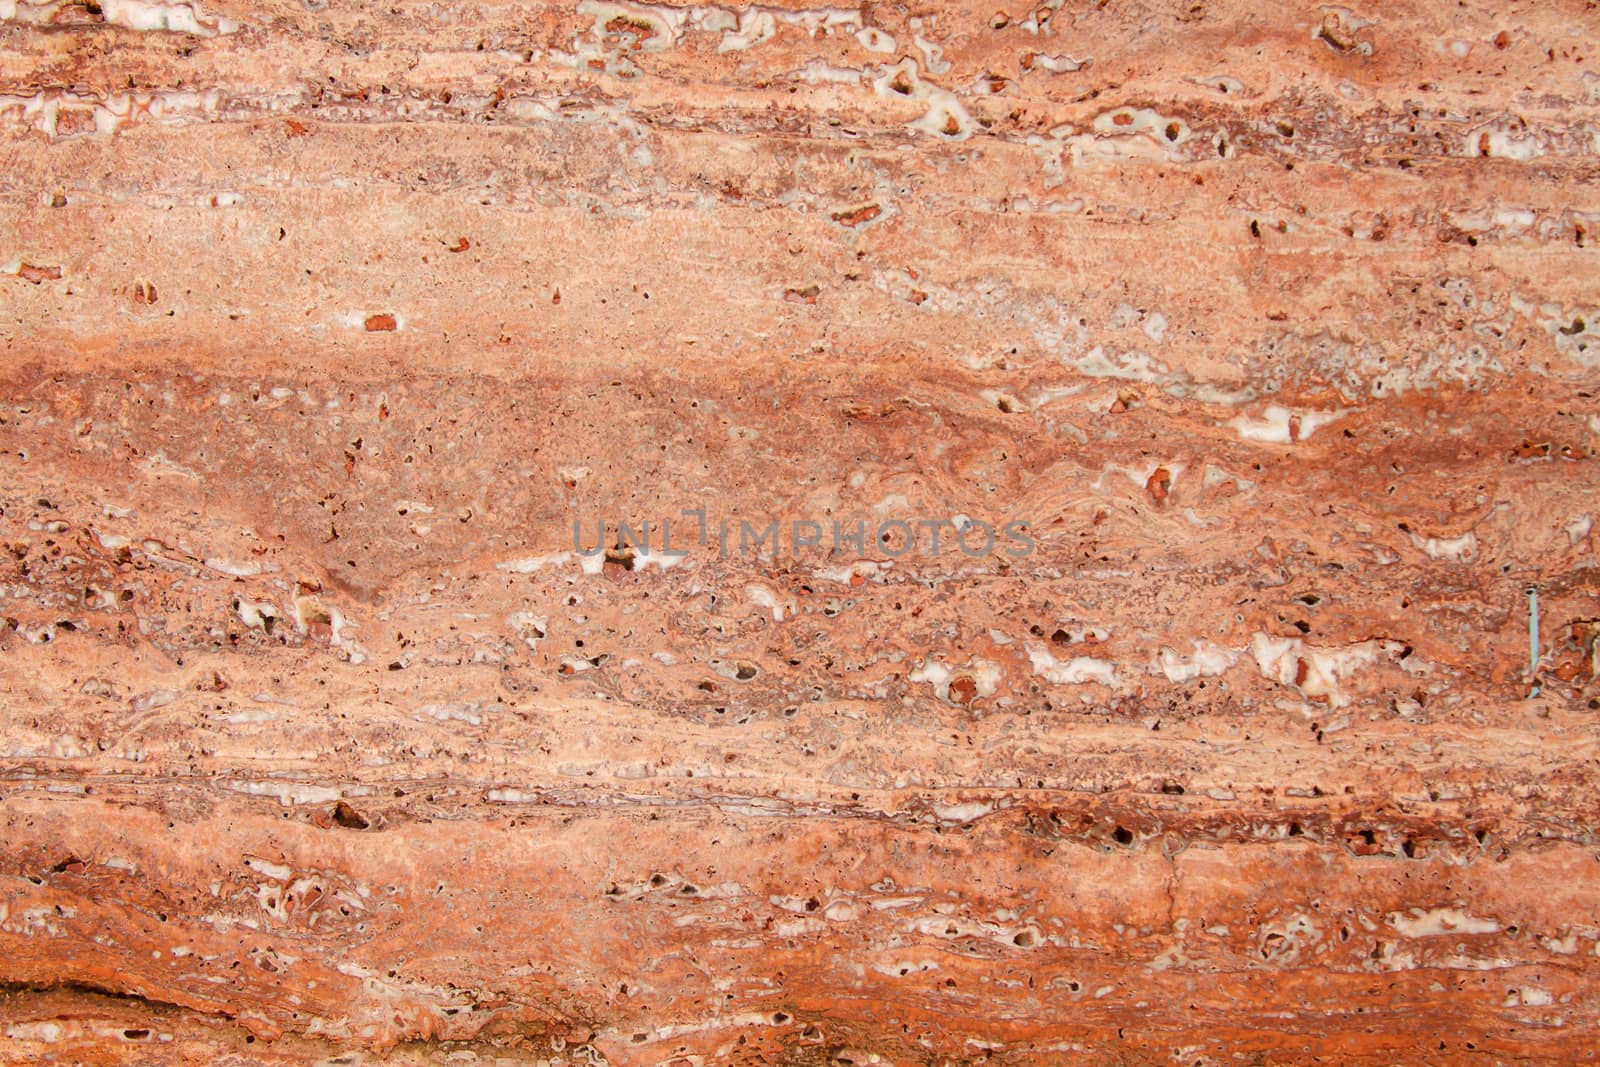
1277	325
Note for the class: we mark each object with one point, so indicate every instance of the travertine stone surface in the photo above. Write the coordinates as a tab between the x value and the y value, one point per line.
1274	327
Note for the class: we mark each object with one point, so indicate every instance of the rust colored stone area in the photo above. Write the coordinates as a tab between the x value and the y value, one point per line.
639	533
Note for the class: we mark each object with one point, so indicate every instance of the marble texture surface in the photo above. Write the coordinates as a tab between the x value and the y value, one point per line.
1275	327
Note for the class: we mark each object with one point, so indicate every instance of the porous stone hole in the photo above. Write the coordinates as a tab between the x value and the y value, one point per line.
1270	944
349	817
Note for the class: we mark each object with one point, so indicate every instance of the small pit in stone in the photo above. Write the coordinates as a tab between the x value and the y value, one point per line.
349	817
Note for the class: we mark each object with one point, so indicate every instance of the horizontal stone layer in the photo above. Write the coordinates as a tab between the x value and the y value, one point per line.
661	534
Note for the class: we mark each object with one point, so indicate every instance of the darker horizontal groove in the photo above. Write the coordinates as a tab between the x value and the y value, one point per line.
79	987
1368	140
224	1022
1169	819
